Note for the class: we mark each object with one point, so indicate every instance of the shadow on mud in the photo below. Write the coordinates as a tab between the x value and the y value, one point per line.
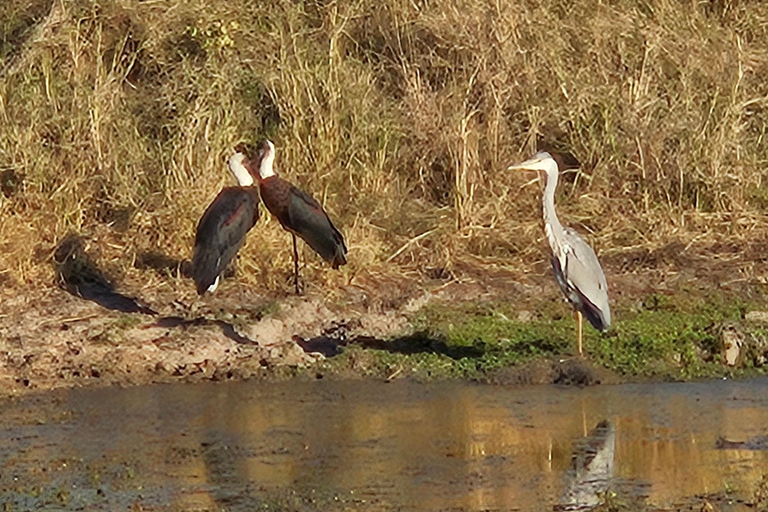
173	322
418	343
80	275
331	342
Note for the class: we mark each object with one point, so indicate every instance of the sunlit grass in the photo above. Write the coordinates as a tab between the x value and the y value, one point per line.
401	117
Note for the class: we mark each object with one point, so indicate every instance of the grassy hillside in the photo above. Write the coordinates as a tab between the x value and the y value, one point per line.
116	117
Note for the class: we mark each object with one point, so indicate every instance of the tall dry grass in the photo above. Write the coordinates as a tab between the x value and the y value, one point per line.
401	116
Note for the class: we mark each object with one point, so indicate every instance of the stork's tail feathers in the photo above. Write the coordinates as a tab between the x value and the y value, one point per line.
338	260
340	255
204	271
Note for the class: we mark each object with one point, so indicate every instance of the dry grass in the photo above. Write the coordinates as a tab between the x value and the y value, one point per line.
116	117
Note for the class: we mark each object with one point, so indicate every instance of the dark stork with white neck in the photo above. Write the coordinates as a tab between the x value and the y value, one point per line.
298	212
222	228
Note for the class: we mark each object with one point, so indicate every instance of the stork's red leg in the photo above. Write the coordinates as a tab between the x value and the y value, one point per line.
295	264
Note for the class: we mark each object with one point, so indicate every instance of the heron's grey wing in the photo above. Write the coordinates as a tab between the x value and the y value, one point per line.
584	275
557	267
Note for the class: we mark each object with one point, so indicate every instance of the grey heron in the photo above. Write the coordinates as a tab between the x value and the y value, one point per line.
577	270
222	228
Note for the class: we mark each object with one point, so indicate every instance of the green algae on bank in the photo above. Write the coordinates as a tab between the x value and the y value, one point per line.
660	337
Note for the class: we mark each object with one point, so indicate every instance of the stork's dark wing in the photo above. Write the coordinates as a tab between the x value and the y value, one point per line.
308	220
221	232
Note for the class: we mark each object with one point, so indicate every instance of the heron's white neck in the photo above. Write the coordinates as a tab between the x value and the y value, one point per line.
244	178
266	169
552	226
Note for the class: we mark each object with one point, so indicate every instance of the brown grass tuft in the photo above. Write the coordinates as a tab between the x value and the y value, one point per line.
116	118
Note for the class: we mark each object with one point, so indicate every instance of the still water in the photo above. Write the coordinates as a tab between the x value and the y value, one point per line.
363	445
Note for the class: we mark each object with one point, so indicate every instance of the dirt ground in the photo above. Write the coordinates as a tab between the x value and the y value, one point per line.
54	337
63	335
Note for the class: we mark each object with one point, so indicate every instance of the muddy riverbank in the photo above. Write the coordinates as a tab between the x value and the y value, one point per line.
677	318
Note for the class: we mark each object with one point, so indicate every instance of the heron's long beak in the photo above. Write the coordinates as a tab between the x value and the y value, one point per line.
533	164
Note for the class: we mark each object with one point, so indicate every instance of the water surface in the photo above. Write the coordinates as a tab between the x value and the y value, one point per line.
366	445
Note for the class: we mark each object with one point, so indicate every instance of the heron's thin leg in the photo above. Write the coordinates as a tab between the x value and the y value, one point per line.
295	264
579	323
549	454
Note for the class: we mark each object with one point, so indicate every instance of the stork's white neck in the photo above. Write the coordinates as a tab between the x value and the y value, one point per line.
244	178
267	169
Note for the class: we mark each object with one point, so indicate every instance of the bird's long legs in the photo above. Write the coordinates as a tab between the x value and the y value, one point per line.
579	323
295	264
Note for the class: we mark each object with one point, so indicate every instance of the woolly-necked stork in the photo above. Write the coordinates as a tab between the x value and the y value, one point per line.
222	228
298	212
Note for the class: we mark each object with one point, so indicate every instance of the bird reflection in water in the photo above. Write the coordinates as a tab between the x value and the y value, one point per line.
591	470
